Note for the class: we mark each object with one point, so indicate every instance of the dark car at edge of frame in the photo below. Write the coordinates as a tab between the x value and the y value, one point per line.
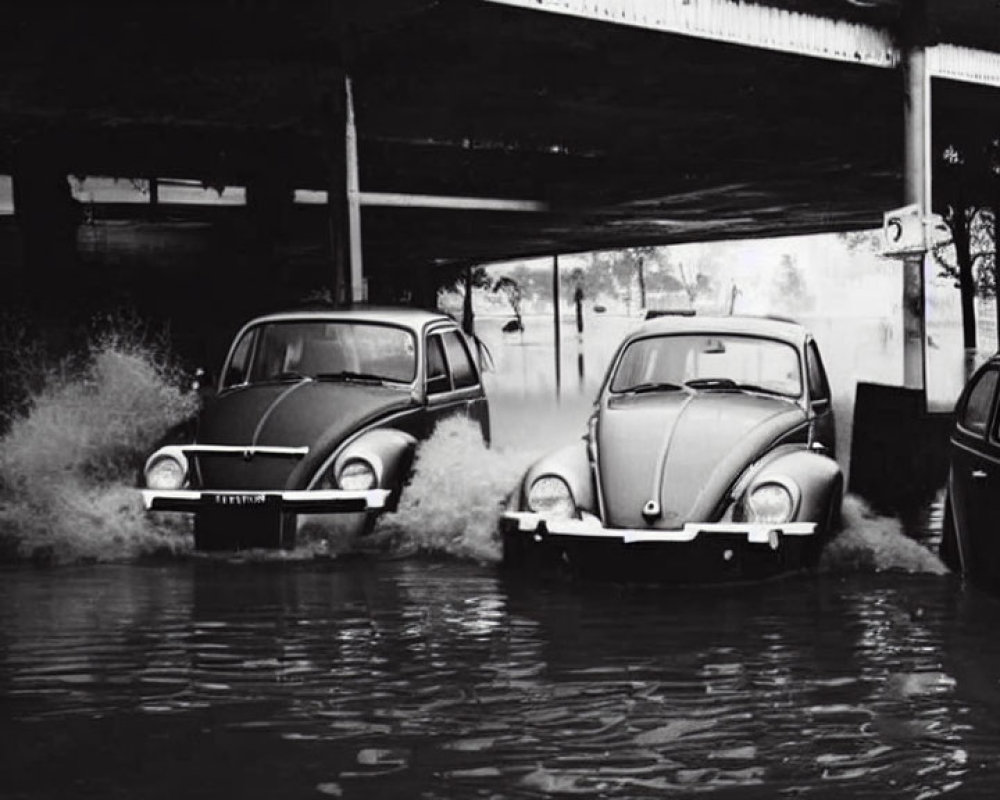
971	522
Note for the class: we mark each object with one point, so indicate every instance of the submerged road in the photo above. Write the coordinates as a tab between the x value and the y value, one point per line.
415	678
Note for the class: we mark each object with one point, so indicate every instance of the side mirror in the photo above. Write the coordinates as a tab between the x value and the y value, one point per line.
204	384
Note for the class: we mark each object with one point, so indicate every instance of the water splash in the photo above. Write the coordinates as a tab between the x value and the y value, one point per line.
873	543
67	466
459	488
67	476
458	491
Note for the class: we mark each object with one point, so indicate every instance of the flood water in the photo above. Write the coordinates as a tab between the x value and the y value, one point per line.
432	678
427	671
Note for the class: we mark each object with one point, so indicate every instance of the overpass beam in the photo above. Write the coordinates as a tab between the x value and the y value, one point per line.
916	184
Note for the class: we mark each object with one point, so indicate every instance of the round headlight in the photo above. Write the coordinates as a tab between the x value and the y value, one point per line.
166	471
551	497
357	476
770	503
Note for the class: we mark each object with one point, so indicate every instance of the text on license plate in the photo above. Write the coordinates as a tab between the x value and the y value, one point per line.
240	499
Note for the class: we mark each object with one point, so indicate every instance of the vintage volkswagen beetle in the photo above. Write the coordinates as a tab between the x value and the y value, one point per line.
969	541
317	412
709	455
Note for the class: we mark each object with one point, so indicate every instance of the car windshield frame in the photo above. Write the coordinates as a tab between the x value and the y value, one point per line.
725	385
352	366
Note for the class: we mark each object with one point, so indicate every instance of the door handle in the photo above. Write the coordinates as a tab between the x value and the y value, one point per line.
979	474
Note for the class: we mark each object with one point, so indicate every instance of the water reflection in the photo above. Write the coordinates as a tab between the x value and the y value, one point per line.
443	679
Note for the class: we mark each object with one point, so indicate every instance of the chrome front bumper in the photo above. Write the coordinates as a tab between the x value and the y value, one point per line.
590	526
304	501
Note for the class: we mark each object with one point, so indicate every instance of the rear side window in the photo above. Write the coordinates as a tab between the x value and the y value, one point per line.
976	414
463	371
437	369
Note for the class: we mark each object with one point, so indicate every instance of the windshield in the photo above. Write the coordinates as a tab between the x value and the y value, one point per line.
709	361
323	349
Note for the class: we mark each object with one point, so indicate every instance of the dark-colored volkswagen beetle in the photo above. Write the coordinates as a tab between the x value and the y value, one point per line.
317	412
709	456
970	538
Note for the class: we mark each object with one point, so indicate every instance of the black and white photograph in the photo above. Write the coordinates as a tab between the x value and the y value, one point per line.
499	399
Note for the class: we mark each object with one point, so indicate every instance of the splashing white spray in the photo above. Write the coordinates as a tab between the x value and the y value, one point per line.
458	491
873	543
66	482
66	488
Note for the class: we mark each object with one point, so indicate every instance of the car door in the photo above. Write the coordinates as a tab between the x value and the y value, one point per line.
453	382
974	476
824	430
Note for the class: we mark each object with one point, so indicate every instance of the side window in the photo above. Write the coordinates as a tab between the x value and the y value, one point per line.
236	373
819	389
463	371
437	370
976	414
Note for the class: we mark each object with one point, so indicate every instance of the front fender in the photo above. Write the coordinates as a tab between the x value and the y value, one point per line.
388	450
572	465
818	478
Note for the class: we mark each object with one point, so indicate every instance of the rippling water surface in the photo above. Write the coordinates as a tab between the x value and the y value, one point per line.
430	678
424	671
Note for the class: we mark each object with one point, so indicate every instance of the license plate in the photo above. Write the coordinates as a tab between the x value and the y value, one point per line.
239	500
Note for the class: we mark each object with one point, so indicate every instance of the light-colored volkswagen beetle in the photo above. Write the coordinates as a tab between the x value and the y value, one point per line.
709	456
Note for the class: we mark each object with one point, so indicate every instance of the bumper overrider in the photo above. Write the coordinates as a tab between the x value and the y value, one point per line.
302	501
588	526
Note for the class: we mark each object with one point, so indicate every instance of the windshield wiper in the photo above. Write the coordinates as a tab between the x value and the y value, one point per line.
712	383
750	387
654	386
347	375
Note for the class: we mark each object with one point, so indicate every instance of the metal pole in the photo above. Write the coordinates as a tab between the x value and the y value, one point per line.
337	200
359	289
556	322
916	189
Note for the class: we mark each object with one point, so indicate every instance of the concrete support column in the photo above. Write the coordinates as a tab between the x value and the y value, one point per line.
47	219
916	187
269	200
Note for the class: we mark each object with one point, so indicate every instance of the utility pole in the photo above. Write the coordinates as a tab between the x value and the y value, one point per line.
556	322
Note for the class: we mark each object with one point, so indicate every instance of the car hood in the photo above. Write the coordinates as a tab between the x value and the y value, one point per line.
295	414
314	414
682	451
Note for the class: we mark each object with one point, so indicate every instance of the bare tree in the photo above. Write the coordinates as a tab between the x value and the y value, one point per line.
514	295
959	260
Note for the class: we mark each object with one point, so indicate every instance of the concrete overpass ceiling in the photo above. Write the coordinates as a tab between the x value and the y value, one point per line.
631	135
971	23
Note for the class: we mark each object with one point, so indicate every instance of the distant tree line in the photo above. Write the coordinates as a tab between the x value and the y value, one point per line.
638	278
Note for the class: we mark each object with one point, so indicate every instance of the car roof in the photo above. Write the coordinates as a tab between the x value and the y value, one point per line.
414	318
770	327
